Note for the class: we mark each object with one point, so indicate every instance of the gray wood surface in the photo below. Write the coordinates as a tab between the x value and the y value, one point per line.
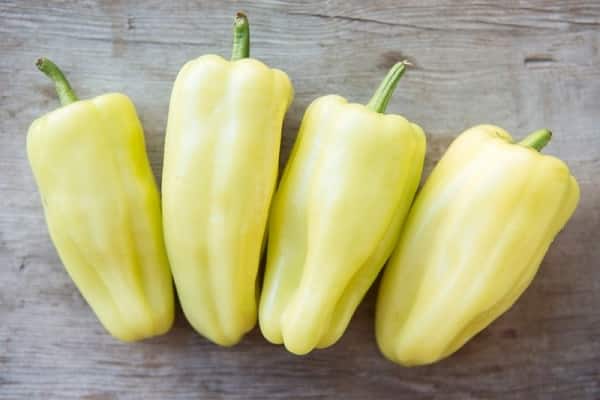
519	64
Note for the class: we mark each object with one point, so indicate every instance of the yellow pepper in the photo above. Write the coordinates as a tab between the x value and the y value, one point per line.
336	215
473	241
102	208
220	168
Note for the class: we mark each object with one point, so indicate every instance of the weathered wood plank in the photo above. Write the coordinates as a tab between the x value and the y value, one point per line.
519	64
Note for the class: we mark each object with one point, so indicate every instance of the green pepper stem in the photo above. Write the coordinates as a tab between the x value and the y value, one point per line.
241	37
65	93
537	140
383	94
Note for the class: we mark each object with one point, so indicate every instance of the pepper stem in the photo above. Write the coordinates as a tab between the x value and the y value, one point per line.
537	140
65	93
383	94
241	37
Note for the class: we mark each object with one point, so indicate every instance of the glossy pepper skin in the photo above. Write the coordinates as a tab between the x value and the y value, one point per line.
220	168
102	208
472	243
338	210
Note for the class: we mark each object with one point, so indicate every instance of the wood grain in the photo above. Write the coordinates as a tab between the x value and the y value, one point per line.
519	64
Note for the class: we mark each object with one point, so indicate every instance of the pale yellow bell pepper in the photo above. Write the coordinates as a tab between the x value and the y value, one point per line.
220	168
473	241
102	208
336	215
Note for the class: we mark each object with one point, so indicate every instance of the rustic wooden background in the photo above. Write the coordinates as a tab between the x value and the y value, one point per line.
519	64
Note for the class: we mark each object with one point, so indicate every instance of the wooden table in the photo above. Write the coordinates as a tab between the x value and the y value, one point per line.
523	65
